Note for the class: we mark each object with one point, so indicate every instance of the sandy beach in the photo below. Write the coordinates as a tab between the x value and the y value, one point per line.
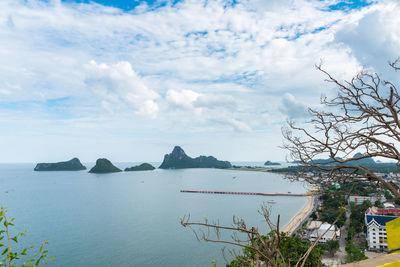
299	218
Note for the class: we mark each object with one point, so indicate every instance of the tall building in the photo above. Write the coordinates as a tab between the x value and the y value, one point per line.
375	220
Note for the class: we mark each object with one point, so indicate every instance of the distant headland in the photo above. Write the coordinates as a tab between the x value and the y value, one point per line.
270	163
70	165
179	160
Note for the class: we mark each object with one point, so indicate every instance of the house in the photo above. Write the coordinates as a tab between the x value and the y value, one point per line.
318	228
358	200
375	220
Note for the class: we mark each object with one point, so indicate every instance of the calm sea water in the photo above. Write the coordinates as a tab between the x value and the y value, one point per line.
131	219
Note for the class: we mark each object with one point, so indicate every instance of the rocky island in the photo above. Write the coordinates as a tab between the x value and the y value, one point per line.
70	165
270	163
141	167
179	160
104	166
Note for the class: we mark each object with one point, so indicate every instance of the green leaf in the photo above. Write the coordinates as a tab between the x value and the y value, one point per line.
24	251
15	239
5	251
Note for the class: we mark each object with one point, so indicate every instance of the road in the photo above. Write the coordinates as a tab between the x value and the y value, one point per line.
341	253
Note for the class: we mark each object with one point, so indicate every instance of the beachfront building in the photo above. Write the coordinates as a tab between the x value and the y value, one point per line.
318	228
375	220
358	200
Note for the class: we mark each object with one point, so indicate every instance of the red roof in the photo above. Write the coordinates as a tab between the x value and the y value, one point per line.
396	212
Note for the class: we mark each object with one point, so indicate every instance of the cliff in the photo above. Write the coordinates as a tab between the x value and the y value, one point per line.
70	165
104	166
179	160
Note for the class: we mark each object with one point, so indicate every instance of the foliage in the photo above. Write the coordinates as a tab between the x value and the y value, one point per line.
388	196
353	253
331	202
292	249
10	255
331	246
357	224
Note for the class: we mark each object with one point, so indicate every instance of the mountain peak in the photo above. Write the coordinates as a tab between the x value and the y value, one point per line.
179	160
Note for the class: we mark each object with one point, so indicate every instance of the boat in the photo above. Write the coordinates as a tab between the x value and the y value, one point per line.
271	201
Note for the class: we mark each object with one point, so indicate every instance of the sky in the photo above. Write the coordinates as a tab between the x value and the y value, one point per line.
128	80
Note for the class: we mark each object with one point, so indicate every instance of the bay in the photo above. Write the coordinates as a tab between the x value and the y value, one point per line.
131	218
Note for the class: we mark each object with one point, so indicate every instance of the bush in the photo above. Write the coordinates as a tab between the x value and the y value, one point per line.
10	255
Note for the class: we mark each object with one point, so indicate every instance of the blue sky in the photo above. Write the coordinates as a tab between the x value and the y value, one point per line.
128	80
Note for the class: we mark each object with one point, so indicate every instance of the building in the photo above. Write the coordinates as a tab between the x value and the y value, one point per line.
358	200
318	228
375	220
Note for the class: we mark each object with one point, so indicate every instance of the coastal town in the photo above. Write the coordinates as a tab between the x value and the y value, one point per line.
355	233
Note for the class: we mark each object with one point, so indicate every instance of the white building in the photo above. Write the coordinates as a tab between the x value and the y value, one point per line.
318	228
376	220
358	200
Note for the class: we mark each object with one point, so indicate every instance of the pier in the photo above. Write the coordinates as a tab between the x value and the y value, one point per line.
245	193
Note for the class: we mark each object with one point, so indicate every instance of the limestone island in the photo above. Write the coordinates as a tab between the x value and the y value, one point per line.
179	160
70	165
104	166
141	167
270	163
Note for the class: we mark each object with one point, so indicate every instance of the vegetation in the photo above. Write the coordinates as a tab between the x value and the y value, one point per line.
141	167
12	257
357	224
179	160
292	249
71	165
329	210
353	253
104	166
331	246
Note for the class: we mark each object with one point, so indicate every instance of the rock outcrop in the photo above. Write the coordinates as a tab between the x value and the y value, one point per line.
70	165
179	160
141	167
104	166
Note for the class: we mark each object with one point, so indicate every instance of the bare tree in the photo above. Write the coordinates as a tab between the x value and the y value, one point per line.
363	119
244	237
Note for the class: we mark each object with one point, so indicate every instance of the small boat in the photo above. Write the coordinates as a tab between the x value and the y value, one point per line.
271	201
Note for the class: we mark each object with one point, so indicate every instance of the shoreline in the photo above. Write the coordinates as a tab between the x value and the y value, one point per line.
298	219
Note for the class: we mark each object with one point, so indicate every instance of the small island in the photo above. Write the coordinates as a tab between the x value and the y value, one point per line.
104	166
270	163
179	160
141	167
70	165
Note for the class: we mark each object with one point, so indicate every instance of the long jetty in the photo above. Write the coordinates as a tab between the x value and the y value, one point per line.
245	193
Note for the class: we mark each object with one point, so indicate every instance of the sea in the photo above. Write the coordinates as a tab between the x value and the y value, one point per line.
132	218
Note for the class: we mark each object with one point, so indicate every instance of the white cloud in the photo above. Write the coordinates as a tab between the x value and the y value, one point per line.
293	108
117	84
196	66
182	99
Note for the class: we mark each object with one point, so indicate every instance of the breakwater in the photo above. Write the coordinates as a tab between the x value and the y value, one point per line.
244	193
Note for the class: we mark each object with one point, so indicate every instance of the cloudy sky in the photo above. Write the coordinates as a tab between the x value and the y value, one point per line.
129	79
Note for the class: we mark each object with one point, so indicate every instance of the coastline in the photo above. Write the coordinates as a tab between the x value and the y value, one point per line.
298	219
